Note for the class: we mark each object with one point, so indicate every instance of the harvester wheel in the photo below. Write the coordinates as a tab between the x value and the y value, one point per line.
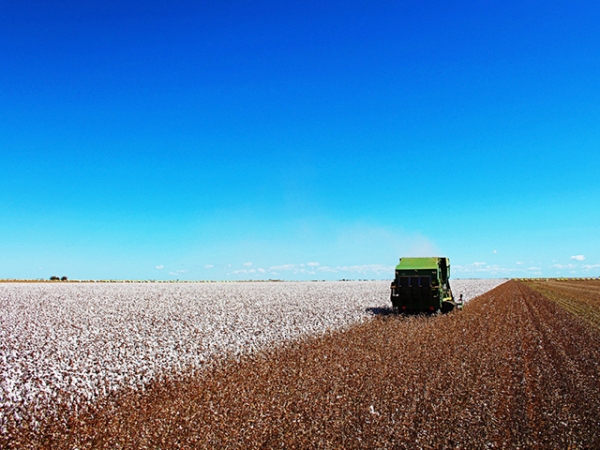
447	307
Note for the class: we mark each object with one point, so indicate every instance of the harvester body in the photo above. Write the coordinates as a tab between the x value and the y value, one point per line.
421	285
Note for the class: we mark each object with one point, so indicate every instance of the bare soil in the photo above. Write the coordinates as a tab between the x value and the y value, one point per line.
579	297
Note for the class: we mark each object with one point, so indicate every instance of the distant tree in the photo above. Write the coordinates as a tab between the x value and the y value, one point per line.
54	278
63	278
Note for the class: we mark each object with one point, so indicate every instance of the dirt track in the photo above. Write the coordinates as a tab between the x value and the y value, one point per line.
513	370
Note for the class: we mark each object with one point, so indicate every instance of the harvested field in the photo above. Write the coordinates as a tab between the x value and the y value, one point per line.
513	370
580	297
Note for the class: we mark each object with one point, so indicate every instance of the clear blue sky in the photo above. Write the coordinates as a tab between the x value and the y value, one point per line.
298	140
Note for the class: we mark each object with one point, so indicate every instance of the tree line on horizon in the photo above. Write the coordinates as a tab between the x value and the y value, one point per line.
55	278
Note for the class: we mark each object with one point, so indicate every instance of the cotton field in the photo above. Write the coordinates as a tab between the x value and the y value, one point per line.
70	344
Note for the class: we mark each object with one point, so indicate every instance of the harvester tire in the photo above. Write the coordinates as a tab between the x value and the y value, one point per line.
447	307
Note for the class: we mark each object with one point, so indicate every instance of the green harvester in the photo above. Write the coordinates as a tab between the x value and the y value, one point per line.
422	285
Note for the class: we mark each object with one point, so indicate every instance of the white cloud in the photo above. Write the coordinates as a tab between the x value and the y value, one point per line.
209	266
286	267
495	251
159	267
563	266
246	271
261	270
481	268
295	268
178	272
247	264
360	269
312	268
591	266
578	257
477	269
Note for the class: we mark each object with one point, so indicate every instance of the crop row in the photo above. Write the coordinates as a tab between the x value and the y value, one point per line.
580	297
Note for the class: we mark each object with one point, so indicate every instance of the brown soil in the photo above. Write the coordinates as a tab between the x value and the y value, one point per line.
580	297
513	370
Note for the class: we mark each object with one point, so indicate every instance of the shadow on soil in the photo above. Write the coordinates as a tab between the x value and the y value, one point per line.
381	311
388	311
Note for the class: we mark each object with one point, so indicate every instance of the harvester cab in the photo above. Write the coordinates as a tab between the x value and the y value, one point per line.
422	285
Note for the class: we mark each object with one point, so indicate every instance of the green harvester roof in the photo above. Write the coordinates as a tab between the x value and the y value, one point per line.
418	263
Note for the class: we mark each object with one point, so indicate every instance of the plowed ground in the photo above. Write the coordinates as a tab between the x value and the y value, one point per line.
513	370
580	297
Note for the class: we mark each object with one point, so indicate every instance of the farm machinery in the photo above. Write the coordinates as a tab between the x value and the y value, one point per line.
421	285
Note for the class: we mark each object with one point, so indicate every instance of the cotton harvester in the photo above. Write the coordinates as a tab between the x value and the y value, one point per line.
422	285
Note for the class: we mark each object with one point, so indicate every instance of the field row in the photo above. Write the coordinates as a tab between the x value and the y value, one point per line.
580	297
512	370
65	346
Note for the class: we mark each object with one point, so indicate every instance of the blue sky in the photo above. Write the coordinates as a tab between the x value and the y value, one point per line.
298	140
